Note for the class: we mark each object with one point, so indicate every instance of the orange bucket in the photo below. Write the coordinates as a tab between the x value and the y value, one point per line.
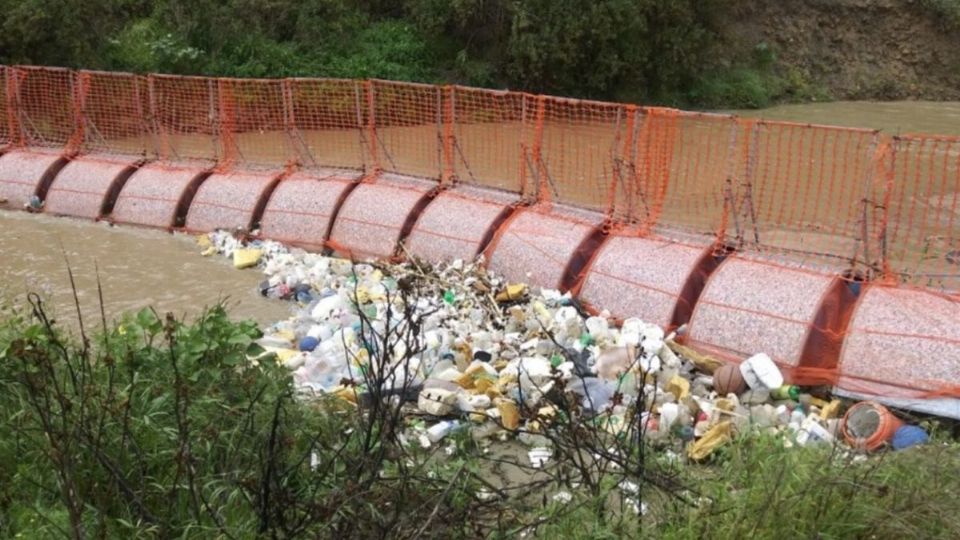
869	425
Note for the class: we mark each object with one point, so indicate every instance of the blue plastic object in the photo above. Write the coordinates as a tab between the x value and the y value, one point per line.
309	343
684	433
908	436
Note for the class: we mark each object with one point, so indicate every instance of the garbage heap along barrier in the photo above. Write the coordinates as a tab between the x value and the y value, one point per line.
835	250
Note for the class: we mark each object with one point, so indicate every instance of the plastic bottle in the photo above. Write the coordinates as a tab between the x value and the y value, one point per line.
441	430
669	412
787	391
322	332
596	393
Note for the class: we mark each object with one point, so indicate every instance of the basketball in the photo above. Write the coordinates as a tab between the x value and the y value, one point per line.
728	380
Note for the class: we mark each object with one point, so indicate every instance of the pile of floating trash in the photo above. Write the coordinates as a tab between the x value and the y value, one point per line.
487	350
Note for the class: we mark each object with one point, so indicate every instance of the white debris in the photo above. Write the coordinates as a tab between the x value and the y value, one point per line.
539	457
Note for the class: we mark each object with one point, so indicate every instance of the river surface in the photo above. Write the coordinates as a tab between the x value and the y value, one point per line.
143	267
137	268
894	117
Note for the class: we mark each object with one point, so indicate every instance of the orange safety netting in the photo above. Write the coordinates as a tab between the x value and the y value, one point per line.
7	119
703	154
485	133
44	100
328	122
407	128
184	117
805	194
253	120
112	112
844	200
921	237
576	151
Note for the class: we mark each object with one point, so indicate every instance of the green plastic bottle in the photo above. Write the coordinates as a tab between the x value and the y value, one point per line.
787	391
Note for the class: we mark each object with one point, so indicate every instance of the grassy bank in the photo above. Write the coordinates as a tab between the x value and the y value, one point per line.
157	428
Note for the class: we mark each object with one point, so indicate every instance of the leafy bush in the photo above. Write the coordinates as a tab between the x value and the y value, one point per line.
387	50
144	47
741	88
754	83
162	429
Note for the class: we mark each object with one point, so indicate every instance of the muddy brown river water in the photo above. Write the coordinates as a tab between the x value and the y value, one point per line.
141	267
894	117
137	267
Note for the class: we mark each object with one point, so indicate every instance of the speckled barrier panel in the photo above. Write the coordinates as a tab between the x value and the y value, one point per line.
750	307
301	207
370	221
537	243
640	277
454	225
227	200
83	185
20	173
151	195
902	346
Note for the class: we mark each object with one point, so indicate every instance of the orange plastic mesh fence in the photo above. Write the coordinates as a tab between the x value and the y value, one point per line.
7	125
112	112
922	234
328	122
577	150
798	195
253	123
484	136
44	98
184	114
702	153
803	196
407	122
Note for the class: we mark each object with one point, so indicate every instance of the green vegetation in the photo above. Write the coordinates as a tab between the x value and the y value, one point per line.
946	12
670	52
650	51
754	83
759	489
159	429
